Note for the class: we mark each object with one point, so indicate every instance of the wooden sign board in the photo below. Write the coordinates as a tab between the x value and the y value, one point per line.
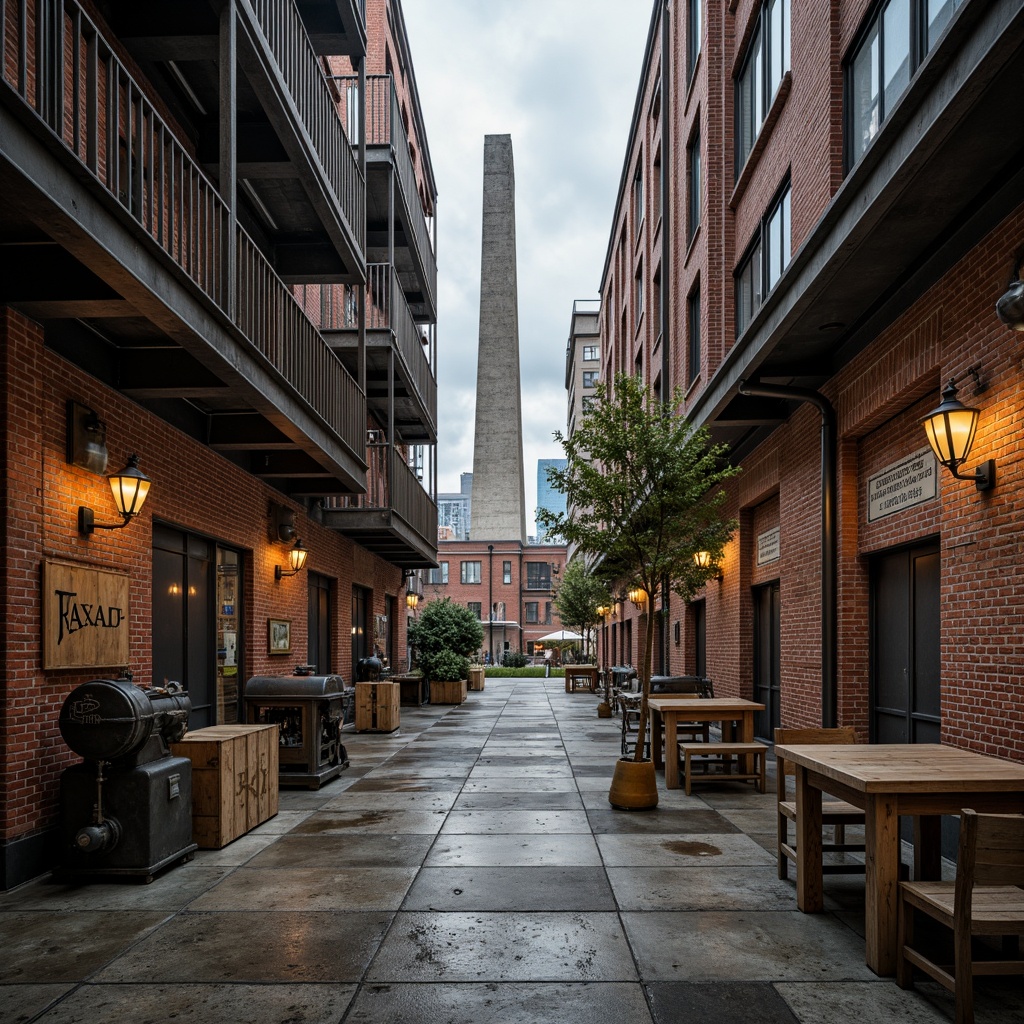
85	617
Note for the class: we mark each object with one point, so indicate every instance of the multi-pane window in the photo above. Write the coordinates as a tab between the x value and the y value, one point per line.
694	28
638	197
693	335
506	572
639	295
764	66
439	576
590	378
476	608
538	576
765	260
590	353
547	613
658	183
890	49
694	185
656	300
470	572
531	611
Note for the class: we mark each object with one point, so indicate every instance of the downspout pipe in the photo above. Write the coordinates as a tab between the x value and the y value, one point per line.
829	491
666	279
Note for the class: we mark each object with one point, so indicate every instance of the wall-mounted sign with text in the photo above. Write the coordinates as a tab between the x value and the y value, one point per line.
85	617
769	546
903	485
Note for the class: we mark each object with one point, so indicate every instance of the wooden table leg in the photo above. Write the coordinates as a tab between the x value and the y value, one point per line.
747	736
810	897
928	847
882	857
654	724
671	750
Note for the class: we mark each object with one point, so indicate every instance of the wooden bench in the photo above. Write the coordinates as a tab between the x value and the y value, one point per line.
756	751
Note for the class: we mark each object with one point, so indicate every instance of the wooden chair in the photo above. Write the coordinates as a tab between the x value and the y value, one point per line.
986	899
836	813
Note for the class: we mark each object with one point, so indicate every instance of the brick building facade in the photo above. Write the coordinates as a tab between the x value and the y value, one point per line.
809	261
174	181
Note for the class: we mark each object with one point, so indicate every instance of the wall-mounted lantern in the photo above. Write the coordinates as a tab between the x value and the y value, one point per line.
130	489
950	429
705	560
639	597
296	561
412	600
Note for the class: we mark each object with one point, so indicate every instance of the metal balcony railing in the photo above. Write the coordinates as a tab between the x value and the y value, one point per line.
64	71
386	310
384	127
285	39
391	484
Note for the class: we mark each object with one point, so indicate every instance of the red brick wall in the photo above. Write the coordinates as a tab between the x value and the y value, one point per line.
193	488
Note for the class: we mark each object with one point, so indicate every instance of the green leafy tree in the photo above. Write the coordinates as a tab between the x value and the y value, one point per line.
444	636
580	593
644	492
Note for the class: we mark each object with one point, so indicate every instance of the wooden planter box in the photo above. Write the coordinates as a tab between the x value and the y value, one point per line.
476	677
234	780
377	707
447	693
411	689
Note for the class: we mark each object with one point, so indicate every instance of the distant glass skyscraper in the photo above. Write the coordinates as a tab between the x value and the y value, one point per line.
547	496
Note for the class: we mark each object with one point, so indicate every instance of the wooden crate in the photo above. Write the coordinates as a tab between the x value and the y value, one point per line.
234	780
447	693
476	677
377	707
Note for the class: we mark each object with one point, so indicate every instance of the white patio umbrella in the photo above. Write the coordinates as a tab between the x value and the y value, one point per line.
562	636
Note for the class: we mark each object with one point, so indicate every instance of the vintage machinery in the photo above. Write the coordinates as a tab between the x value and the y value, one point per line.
310	711
127	808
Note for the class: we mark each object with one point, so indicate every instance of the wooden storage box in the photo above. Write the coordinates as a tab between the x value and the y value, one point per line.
377	707
447	693
476	677
234	780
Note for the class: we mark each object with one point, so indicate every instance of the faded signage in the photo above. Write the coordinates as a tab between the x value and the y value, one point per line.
85	617
903	485
769	546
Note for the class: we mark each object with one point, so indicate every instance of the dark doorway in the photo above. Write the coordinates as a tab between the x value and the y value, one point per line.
767	673
318	651
361	635
700	663
905	669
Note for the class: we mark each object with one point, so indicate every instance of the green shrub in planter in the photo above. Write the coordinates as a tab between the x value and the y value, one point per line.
444	637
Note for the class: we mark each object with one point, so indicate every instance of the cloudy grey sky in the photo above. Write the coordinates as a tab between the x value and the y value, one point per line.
560	77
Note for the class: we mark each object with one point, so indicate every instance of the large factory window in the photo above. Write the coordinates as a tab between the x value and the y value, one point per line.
197	616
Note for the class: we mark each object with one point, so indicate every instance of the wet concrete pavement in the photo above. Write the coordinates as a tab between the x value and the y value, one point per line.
468	869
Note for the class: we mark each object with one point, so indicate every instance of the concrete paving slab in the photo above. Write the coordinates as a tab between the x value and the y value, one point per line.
515	888
521	801
510	822
205	1004
523	1003
723	1003
505	784
392	801
21	1003
407	784
302	889
504	947
350	851
660	821
744	946
514	851
371	821
698	888
283	821
735	850
239	851
54	946
879	1000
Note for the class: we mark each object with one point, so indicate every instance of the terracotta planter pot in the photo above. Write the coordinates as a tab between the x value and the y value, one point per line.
604	710
634	785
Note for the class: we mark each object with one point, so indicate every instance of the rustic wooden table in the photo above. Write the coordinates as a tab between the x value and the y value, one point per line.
715	709
924	780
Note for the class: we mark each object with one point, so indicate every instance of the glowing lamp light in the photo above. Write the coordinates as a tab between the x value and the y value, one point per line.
702	559
296	561
130	489
950	429
638	596
412	600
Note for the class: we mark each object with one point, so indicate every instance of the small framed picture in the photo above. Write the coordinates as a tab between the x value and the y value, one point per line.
279	636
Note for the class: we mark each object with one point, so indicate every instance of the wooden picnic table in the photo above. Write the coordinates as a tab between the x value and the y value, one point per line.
886	780
701	709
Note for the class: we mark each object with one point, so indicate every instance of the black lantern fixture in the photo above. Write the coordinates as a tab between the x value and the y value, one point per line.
950	429
130	489
296	561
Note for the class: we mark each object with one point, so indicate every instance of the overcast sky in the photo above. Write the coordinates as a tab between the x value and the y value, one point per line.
560	77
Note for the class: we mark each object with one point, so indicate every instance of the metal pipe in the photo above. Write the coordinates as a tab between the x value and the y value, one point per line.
490	598
666	276
829	600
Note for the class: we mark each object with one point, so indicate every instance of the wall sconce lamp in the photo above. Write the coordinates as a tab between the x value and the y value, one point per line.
704	560
130	488
296	561
1010	307
639	597
412	600
950	429
603	610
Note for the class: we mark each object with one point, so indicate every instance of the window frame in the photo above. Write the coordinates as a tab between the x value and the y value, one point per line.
463	573
694	36
591	378
694	183
596	349
759	246
538	573
759	52
506	571
532	607
476	608
693	334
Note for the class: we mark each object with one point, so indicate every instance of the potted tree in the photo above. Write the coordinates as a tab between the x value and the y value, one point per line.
644	490
444	636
